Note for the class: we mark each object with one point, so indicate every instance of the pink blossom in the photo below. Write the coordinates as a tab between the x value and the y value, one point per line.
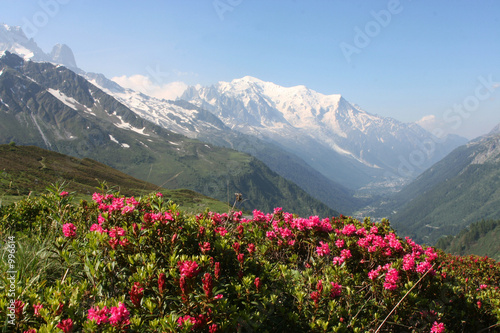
97	197
218	296
437	328
63	194
346	253
340	243
37	308
257	283
136	294
127	209
99	316
115	232
119	315
101	219
408	262
323	249
69	230
374	230
188	268
338	260
251	248
221	231
204	247
423	267
391	279
66	325
336	290
349	229
271	234
96	227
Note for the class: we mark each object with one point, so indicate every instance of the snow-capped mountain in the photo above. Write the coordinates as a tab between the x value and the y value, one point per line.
187	119
325	130
14	40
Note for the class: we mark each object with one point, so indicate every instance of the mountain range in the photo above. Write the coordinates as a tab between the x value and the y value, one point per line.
345	143
52	107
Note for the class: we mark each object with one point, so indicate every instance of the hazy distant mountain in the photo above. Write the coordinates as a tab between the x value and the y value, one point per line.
495	130
343	142
462	188
52	107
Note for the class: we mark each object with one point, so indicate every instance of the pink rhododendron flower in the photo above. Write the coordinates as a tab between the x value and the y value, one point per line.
96	227
116	232
18	308
251	248
349	230
391	279
66	325
338	260
188	268
241	258
97	197
207	284
340	243
218	296
204	247
69	230
437	328
336	290
323	249
63	194
136	294
271	234
221	231
408	262
217	270
423	267
119	315
37	308
99	316
162	278
346	253
257	283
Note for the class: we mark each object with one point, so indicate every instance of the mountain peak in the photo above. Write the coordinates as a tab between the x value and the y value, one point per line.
248	78
495	130
62	54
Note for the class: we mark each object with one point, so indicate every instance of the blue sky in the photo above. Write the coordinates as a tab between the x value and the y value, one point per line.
402	59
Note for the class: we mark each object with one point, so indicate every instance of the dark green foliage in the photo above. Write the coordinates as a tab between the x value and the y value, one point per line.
480	238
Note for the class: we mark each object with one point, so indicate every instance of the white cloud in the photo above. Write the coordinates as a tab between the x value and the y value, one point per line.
428	122
144	85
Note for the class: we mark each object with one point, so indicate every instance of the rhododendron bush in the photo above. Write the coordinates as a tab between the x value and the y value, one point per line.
119	264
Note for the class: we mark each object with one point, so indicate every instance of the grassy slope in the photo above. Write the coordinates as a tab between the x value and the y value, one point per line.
26	169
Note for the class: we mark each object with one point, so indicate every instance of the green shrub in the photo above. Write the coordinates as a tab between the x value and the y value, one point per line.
122	264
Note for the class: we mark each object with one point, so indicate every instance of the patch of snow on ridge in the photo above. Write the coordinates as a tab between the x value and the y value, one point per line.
68	101
124	145
112	138
125	125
